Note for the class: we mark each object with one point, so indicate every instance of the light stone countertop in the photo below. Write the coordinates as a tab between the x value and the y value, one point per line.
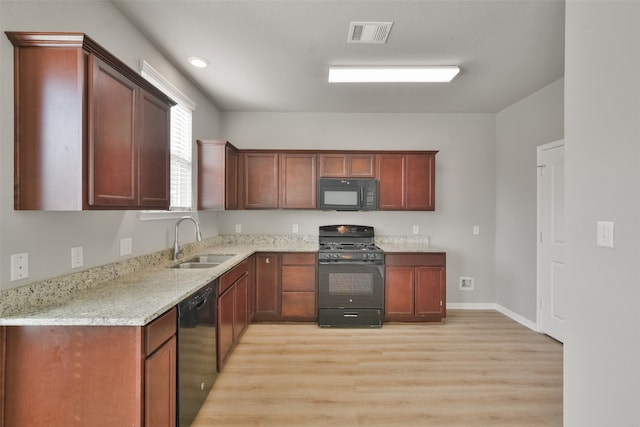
137	298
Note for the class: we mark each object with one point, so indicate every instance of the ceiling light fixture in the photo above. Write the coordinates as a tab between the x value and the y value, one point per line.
198	61
431	74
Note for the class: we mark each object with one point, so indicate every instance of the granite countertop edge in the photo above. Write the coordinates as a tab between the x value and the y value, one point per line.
138	298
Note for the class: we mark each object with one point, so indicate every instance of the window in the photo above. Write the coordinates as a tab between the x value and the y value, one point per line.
181	143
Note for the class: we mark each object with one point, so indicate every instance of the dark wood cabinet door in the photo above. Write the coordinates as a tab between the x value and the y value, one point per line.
224	331
333	165
231	178
112	153
299	306
420	182
267	289
260	172
298	181
399	293
407	181
347	165
362	165
430	292
392	184
154	153
241	317
160	386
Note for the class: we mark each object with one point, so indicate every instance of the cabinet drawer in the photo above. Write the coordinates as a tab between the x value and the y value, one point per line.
299	305
413	259
160	330
298	278
299	258
231	276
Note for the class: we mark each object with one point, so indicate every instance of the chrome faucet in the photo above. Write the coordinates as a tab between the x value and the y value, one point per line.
177	251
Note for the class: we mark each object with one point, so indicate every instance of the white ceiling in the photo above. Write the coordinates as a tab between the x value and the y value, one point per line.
273	55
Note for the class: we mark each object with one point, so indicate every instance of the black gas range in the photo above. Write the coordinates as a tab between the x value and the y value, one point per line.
350	277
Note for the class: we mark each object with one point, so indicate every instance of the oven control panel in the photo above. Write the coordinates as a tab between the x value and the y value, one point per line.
351	256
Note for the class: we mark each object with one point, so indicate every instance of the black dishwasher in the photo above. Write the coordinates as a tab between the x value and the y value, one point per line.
196	352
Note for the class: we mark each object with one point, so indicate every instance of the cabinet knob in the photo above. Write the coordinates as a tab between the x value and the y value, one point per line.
267	261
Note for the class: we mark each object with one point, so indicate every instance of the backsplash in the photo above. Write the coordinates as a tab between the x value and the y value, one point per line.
58	289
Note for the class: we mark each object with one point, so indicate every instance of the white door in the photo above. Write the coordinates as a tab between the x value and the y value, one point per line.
551	240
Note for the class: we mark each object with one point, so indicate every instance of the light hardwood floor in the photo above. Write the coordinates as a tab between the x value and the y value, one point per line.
479	368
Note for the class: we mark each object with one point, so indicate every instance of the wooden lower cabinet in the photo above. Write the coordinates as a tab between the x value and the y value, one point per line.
91	375
160	386
298	278
233	309
267	287
286	286
415	287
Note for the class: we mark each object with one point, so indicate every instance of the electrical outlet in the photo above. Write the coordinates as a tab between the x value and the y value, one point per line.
238	228
416	229
605	234
476	230
126	246
295	228
77	257
466	284
19	266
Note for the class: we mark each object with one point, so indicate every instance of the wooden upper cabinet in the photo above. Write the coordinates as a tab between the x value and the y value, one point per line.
260	180
347	165
298	181
90	132
217	175
154	152
407	181
112	149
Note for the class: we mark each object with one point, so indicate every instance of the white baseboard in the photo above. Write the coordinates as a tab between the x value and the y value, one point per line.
515	316
471	306
492	306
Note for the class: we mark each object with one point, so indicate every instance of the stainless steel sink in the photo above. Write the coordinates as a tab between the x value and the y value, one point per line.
211	258
204	261
194	265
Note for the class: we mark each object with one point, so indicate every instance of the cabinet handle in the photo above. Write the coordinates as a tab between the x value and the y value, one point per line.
267	261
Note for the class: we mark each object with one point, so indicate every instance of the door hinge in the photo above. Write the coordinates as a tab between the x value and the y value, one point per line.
540	237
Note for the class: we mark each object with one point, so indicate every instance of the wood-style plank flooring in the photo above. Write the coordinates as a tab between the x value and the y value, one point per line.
479	368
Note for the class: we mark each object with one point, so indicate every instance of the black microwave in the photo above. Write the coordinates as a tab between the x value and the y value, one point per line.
348	194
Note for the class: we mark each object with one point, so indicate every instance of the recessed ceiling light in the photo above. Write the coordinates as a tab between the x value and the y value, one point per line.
198	61
431	74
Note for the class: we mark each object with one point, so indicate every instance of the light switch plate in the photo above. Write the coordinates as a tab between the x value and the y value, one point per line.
126	246
77	257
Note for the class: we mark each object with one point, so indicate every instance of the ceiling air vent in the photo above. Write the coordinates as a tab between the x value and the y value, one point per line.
369	32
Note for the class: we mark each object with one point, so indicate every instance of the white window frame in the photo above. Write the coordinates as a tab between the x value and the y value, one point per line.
188	106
